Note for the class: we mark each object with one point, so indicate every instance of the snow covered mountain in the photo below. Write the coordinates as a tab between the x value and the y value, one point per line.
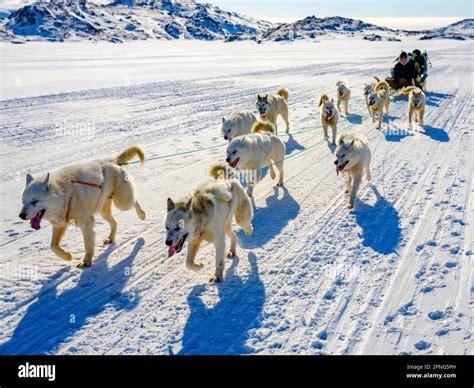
121	20
313	27
461	30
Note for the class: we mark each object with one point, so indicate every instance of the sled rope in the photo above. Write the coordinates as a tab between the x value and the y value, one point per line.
304	130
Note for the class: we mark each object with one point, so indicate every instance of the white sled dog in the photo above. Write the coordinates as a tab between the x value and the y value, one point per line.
207	214
270	106
353	157
378	100
73	195
239	123
255	151
343	96
416	104
329	116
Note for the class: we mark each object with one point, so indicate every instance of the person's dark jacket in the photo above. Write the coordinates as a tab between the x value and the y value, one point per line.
421	63
406	71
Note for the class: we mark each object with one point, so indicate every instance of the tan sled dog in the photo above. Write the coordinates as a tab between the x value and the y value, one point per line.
207	215
343	96
73	195
378	100
263	126
270	106
416	104
329	116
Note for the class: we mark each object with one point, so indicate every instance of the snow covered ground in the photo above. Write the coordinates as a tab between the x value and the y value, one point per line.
394	276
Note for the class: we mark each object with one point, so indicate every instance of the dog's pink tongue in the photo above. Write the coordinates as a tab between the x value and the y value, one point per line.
171	251
36	222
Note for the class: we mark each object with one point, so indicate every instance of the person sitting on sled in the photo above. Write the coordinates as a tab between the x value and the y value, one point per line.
421	65
403	73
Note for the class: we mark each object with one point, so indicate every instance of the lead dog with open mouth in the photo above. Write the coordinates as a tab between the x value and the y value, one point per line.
207	215
73	195
329	116
254	152
353	157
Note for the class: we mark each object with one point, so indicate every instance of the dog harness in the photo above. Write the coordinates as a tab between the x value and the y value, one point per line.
97	186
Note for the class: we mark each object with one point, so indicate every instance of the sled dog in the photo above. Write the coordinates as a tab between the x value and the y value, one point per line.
416	104
207	215
343	96
270	106
353	157
379	99
254	152
73	196
368	90
329	116
239	123
263	126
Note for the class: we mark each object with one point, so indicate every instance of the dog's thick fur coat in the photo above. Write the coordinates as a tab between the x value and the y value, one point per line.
75	194
368	90
254	152
271	106
353	157
378	100
329	116
207	215
263	126
416	105
343	94
237	124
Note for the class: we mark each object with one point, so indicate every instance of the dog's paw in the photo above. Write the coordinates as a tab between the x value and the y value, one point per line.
350	206
280	184
215	279
141	215
108	241
230	254
248	231
369	178
347	191
196	266
67	256
84	264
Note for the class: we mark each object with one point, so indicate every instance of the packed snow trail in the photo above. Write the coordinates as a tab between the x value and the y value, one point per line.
391	277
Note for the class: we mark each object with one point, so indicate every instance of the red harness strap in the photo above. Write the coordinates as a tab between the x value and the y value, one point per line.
97	186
